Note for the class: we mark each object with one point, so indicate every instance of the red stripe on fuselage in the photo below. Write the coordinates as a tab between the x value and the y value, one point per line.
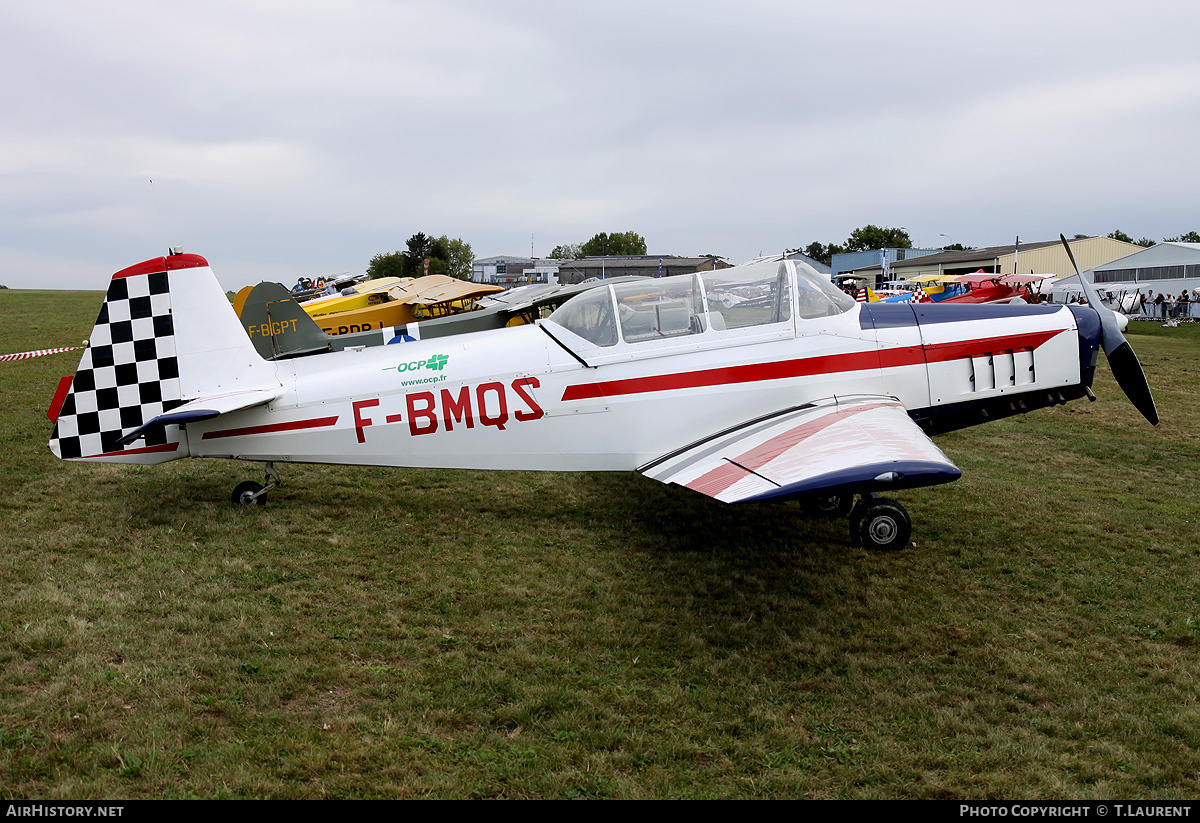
315	423
885	358
955	350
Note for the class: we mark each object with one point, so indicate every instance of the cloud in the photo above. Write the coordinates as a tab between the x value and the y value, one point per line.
306	134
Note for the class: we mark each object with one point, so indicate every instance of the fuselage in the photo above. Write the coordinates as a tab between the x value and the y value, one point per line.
566	395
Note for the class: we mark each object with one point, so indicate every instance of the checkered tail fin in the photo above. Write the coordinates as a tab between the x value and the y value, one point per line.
166	348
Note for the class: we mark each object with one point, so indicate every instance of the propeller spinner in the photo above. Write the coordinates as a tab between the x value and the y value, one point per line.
1121	358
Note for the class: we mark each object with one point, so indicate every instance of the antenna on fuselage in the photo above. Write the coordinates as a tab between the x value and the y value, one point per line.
163	223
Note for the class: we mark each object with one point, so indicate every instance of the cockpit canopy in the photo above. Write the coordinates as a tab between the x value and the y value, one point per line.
760	294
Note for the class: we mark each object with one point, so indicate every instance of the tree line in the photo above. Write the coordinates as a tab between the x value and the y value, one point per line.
447	256
1186	237
617	244
453	257
864	238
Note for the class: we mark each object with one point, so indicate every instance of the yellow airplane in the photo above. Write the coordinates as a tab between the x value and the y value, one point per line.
391	301
362	295
396	303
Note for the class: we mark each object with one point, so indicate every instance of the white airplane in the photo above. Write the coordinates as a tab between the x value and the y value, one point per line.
757	382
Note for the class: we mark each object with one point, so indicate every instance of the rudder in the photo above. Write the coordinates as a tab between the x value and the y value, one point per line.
161	339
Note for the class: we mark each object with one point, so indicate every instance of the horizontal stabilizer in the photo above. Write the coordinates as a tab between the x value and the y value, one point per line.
205	408
861	445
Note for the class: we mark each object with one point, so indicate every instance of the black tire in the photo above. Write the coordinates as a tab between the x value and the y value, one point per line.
855	518
834	506
883	525
243	494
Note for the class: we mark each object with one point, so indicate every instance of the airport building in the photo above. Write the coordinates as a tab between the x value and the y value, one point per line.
1042	257
1168	267
517	271
501	270
847	262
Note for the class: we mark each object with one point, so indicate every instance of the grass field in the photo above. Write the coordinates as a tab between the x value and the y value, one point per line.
401	633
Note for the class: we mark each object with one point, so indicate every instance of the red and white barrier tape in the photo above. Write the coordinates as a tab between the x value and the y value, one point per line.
25	355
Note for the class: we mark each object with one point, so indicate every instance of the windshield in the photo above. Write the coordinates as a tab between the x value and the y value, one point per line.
590	315
818	297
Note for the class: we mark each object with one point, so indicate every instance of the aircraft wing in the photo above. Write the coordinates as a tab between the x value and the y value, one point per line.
862	444
206	408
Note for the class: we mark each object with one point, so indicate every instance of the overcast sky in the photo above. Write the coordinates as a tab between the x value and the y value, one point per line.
301	138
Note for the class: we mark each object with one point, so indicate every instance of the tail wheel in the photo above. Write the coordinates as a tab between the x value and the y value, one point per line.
244	494
255	494
881	525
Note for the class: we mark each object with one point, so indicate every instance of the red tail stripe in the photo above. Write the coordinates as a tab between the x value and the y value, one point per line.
60	397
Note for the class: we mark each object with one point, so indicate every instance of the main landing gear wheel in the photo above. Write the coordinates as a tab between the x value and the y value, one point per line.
251	493
880	524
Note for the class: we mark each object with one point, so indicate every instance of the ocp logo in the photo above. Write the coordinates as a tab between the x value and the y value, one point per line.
435	363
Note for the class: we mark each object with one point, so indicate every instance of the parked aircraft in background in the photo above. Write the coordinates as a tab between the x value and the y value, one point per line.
752	383
372	305
998	288
280	328
979	287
